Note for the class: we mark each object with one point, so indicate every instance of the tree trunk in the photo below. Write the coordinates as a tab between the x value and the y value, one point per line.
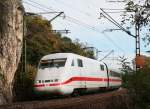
11	35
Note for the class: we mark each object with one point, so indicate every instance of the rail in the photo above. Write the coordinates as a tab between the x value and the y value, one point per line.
93	101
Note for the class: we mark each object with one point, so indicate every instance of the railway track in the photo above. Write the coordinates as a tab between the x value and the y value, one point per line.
92	101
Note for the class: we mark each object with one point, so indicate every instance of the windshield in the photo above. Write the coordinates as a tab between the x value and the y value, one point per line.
52	63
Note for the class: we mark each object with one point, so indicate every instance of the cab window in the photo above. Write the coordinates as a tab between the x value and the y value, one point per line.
52	63
80	63
115	74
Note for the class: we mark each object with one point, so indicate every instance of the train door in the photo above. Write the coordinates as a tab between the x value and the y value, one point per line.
107	70
81	74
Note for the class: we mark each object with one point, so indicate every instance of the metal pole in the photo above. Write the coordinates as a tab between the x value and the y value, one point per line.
137	42
25	51
23	59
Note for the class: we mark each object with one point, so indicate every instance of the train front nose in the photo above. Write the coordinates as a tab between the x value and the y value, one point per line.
48	78
48	86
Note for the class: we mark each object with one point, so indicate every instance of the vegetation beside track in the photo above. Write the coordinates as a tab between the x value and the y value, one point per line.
138	85
109	100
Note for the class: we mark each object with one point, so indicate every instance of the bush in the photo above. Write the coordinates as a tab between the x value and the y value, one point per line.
138	84
23	87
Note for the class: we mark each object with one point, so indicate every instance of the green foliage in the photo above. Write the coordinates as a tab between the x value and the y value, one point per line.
41	41
138	13
30	72
37	24
138	84
23	87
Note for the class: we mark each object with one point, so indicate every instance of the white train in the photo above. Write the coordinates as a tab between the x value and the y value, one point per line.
68	73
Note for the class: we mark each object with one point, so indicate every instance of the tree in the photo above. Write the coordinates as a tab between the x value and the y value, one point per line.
40	41
138	13
11	34
138	85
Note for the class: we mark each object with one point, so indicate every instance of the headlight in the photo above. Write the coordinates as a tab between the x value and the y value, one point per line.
38	81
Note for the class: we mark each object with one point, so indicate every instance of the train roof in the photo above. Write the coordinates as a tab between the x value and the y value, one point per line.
56	55
65	55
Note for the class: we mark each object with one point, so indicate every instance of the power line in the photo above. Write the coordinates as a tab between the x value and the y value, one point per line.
73	8
41	5
112	51
114	22
54	11
96	30
80	22
113	42
75	21
115	11
112	9
34	6
45	12
57	13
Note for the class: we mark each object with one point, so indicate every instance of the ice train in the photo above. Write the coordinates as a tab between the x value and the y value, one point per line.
67	73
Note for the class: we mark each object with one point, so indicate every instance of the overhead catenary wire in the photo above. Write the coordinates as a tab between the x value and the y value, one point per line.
113	9
42	5
35	6
74	20
96	30
110	10
114	22
44	10
89	26
107	55
113	42
68	17
73	8
108	38
56	11
71	19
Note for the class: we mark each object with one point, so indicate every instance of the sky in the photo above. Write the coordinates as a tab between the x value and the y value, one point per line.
82	18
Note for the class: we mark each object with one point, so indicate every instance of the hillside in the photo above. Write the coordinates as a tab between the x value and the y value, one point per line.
41	41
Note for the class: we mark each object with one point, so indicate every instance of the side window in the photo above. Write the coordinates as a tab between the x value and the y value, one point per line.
102	67
72	64
115	74
80	64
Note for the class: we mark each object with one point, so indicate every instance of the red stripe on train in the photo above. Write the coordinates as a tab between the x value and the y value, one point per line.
77	79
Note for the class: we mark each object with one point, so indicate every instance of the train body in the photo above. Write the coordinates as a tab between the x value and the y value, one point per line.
63	73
